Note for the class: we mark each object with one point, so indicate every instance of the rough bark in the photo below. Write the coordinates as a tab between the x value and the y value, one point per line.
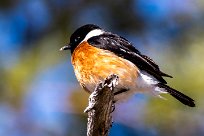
100	107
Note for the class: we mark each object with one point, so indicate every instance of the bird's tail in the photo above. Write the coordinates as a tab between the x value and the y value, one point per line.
178	95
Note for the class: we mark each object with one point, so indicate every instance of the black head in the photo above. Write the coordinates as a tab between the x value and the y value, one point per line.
79	35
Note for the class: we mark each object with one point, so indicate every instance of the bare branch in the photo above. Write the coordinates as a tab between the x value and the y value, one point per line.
100	107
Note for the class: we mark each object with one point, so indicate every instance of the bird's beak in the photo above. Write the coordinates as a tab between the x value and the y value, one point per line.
66	47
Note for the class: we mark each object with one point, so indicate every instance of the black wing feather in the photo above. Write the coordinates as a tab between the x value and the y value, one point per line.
123	48
155	65
178	95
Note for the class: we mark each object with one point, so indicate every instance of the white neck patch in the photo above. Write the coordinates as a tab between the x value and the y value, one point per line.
93	33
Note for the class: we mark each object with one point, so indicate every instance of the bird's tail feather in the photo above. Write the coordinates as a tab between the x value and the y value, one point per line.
178	95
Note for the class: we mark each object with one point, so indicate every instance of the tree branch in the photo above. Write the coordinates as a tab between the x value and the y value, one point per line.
100	107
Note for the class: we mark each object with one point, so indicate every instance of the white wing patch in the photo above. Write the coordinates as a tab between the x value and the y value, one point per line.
93	33
146	80
147	83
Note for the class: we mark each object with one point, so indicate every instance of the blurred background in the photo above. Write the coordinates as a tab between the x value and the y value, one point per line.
39	94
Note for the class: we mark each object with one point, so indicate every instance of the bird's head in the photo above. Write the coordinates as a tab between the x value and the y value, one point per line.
82	34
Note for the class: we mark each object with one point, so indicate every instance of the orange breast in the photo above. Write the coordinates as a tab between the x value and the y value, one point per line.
92	65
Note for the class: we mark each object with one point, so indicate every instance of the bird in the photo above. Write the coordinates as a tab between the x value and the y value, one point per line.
97	53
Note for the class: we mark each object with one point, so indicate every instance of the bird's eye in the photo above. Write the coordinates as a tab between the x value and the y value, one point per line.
77	39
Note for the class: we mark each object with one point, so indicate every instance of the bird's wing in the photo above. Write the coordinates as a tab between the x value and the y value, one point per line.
123	48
